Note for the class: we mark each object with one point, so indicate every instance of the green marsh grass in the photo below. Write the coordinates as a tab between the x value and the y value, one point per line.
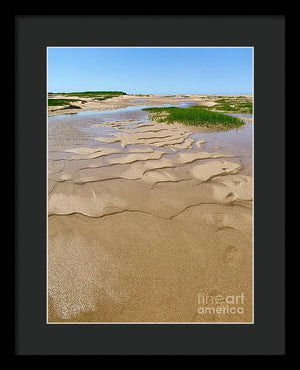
233	105
94	95
195	115
56	102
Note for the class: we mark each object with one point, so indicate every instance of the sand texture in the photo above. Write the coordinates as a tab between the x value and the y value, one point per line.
143	217
124	101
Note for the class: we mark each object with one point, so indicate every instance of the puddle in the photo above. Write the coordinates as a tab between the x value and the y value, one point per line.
65	131
236	141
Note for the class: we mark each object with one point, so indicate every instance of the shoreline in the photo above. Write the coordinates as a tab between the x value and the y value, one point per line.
124	101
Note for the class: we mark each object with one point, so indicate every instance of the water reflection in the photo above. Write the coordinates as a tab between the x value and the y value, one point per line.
65	131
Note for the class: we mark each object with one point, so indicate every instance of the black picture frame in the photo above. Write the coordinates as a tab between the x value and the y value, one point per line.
33	33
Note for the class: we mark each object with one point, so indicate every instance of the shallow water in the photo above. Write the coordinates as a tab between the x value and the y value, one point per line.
136	212
71	130
236	141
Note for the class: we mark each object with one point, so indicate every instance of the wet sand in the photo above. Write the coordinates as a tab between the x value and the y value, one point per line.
144	216
123	101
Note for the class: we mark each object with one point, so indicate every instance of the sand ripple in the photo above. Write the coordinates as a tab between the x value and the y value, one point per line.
142	220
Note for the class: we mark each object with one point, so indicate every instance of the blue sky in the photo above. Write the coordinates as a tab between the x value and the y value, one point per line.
151	70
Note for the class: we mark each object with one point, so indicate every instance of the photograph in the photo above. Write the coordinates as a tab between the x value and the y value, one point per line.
150	182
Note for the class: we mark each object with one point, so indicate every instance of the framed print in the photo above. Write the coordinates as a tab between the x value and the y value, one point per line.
145	220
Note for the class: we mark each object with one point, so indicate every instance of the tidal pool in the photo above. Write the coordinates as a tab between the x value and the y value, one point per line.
81	129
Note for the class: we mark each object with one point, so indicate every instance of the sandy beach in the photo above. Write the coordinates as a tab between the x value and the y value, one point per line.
146	218
123	101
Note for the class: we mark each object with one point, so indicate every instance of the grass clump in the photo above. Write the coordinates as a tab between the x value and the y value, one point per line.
105	97
195	115
94	95
238	104
59	102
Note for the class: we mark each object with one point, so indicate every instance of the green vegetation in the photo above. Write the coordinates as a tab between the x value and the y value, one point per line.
104	97
239	104
195	115
93	94
56	102
63	102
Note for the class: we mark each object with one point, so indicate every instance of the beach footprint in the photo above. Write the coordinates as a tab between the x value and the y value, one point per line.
230	255
230	196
